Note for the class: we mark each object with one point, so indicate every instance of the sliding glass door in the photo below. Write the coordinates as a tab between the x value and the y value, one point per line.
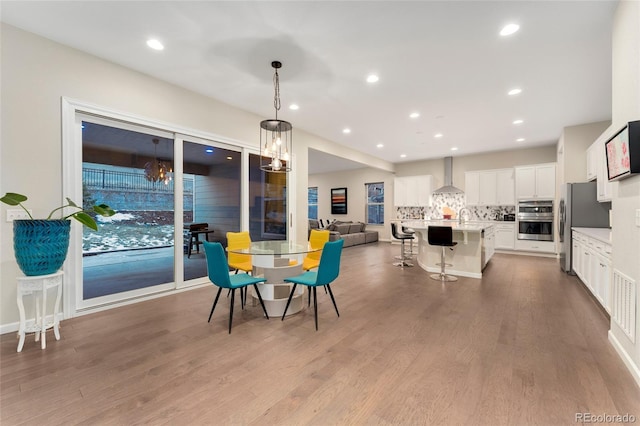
132	252
212	197
172	191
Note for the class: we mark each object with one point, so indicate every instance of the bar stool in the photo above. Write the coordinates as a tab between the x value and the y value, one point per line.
441	236
402	237
409	231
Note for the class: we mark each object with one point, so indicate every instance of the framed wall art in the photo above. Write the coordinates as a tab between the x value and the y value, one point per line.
338	200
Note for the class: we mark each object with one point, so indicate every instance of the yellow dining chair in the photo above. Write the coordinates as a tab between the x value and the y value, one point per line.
317	239
237	261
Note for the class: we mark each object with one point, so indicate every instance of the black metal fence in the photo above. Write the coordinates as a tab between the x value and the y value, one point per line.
128	181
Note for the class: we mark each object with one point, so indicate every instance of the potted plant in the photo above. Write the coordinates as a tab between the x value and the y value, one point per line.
41	245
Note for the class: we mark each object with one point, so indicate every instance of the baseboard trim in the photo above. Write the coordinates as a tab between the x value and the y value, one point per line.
15	326
628	361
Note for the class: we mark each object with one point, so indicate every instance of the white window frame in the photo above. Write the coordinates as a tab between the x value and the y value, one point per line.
367	203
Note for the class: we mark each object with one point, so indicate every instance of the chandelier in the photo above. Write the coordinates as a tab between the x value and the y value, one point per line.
156	170
275	135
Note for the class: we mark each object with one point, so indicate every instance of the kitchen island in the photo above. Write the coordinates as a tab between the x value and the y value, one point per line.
469	257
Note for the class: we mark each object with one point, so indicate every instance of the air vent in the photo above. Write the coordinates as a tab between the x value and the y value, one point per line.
623	308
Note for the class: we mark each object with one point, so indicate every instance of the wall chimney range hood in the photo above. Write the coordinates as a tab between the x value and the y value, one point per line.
448	187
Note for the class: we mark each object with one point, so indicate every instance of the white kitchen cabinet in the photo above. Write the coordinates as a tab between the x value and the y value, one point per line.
505	236
592	162
505	187
488	188
575	255
591	260
424	189
472	188
412	191
535	246
536	181
525	182
602	280
399	191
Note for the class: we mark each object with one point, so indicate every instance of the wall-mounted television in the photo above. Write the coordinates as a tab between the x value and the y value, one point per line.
623	152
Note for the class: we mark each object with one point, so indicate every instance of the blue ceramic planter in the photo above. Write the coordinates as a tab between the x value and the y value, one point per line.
40	245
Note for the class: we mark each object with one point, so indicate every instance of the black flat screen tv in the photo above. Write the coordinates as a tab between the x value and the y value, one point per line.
623	152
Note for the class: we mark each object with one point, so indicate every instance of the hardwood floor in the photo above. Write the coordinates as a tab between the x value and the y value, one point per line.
524	345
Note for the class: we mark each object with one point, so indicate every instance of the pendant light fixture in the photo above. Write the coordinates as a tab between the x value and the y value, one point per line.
156	170
275	135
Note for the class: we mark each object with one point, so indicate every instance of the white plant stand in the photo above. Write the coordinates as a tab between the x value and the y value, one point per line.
38	286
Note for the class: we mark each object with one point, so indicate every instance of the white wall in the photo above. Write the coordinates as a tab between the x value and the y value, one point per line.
354	181
37	73
626	200
572	165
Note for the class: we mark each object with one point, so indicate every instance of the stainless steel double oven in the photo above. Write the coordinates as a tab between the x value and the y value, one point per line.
535	220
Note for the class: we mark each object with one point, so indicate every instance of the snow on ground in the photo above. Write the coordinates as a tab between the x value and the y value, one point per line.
129	230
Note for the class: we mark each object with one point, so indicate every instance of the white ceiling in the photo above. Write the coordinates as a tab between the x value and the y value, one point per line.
444	60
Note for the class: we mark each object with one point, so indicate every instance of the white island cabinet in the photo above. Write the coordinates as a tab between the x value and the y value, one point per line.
476	245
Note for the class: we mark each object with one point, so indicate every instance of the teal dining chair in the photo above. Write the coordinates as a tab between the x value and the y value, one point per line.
327	272
218	271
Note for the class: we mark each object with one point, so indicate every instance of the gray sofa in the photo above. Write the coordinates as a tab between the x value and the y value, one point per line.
353	233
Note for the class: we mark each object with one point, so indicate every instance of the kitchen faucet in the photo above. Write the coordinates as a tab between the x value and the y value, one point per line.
461	218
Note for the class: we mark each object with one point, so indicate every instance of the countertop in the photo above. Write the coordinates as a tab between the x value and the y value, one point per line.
470	226
600	234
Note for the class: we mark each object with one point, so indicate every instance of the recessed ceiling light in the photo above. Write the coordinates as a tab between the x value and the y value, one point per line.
414	115
520	140
229	158
509	29
403	155
379	145
208	150
372	78
515	91
454	148
155	44
518	122
438	135
294	107
346	131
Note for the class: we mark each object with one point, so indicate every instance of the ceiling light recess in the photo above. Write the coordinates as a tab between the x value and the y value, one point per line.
509	29
346	131
294	107
514	92
414	115
372	78
438	135
155	44
518	121
379	145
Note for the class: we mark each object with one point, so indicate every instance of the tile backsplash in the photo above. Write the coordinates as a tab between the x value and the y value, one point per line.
455	202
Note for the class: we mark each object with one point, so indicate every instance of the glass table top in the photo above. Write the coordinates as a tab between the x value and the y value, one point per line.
276	248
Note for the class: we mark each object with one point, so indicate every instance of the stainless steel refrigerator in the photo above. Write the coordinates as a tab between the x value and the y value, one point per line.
579	207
